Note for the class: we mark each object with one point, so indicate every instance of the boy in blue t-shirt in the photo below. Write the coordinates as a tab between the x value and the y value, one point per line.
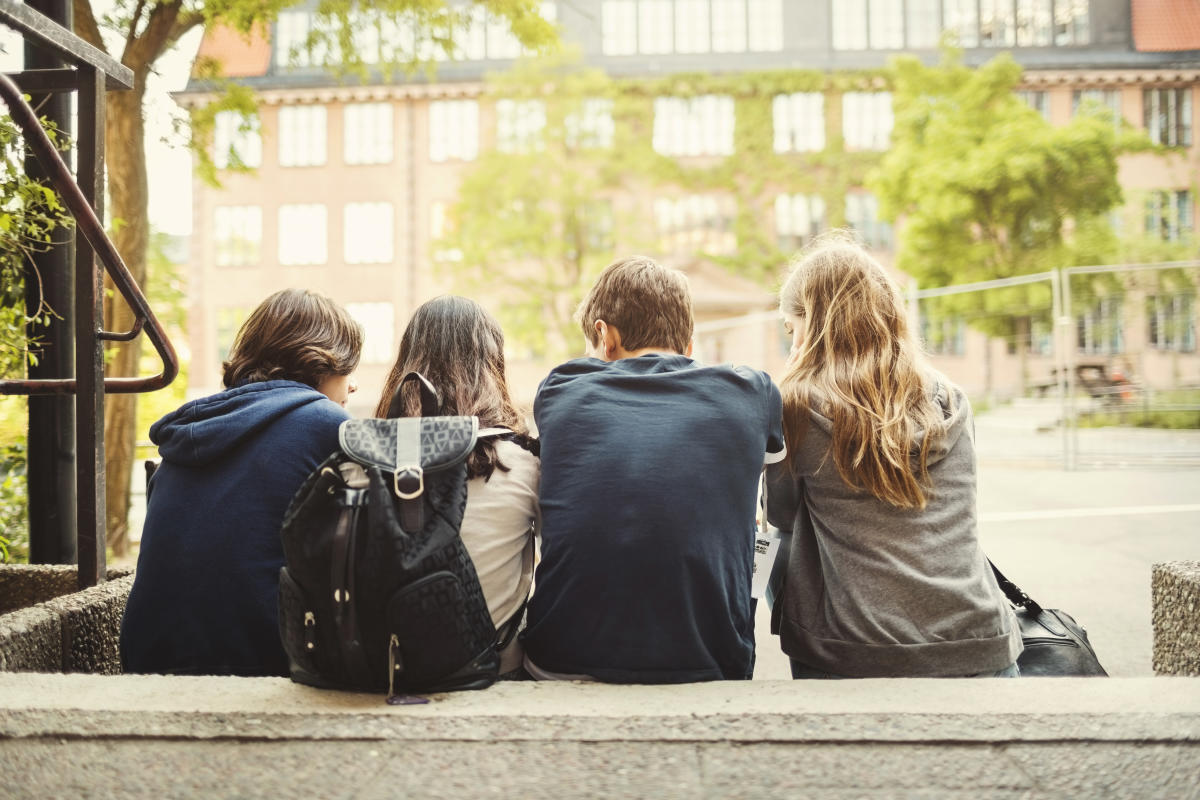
650	466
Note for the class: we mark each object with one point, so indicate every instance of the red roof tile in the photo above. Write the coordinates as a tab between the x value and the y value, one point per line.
1166	25
241	55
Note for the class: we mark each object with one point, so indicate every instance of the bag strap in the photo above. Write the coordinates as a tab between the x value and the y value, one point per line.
1014	593
431	401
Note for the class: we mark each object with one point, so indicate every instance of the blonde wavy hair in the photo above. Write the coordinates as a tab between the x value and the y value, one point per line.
860	366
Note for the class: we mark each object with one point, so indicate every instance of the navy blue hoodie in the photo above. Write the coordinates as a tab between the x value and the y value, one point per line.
204	597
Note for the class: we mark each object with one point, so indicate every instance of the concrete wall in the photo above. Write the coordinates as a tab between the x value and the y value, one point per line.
134	736
1175	593
71	632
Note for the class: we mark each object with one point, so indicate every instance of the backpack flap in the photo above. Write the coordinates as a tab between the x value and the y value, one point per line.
408	447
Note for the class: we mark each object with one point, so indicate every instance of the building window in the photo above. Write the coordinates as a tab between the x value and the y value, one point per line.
886	22
236	140
1171	322
301	136
1098	101
692	26
764	25
862	214
729	26
799	121
1071	22
367	233
654	26
1099	328
1168	116
592	125
453	130
961	17
379	330
367	133
237	235
924	28
944	337
867	120
1169	215
997	25
798	217
229	321
618	27
1034	23
519	124
302	234
696	224
849	24
291	36
697	126
1037	100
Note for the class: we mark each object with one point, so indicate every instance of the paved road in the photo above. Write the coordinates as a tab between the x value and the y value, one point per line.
1083	541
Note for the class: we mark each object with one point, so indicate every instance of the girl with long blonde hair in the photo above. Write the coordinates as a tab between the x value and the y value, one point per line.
885	575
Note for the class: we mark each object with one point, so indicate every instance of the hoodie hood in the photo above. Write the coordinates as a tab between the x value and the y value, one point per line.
204	430
956	413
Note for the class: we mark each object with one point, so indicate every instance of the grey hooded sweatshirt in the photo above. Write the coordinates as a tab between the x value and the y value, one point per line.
873	590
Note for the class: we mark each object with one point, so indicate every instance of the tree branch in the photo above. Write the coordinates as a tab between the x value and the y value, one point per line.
85	24
133	22
141	51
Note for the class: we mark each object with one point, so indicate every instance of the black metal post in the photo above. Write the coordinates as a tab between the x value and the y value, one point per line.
51	442
89	354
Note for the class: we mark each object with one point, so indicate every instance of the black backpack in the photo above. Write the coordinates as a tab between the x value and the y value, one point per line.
378	592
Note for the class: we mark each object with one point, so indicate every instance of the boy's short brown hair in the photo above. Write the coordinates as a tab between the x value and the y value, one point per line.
294	335
648	303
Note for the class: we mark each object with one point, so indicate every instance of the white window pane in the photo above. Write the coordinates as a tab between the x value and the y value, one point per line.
237	235
301	136
367	133
654	26
997	26
233	146
379	329
302	234
500	40
765	31
924	22
368	233
453	130
886	19
729	26
849	24
692	26
291	31
962	18
618	24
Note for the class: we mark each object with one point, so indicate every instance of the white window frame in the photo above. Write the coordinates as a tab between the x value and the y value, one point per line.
693	30
303	133
379	330
453	130
591	126
228	136
694	126
303	234
237	235
728	26
799	122
867	120
655	27
368	233
764	21
694	224
368	133
849	24
885	21
618	27
519	124
798	217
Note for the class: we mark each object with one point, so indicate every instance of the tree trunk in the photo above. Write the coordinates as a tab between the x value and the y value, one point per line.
129	221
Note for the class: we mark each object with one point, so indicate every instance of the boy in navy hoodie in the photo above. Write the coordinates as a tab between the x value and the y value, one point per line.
650	466
204	599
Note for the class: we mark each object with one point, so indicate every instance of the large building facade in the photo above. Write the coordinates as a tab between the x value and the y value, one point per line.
352	180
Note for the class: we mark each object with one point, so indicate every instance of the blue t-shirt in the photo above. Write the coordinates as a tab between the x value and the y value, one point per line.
649	485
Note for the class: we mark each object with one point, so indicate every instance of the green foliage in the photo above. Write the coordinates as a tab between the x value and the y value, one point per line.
31	217
987	189
167	295
14	519
1183	415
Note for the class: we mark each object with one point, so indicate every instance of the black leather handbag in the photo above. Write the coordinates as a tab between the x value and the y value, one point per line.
1055	644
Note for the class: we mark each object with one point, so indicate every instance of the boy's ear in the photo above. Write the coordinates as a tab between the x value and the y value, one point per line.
609	346
688	352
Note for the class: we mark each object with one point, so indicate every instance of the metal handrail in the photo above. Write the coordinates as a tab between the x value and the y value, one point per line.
89	225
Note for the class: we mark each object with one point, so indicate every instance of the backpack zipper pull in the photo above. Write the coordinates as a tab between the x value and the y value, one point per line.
395	664
310	630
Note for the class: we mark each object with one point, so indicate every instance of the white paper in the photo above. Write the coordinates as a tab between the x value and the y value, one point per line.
766	548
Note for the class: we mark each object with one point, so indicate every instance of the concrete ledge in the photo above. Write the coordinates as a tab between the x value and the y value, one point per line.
1175	611
155	736
75	632
23	585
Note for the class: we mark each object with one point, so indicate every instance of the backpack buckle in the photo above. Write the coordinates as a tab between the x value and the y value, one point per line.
412	478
